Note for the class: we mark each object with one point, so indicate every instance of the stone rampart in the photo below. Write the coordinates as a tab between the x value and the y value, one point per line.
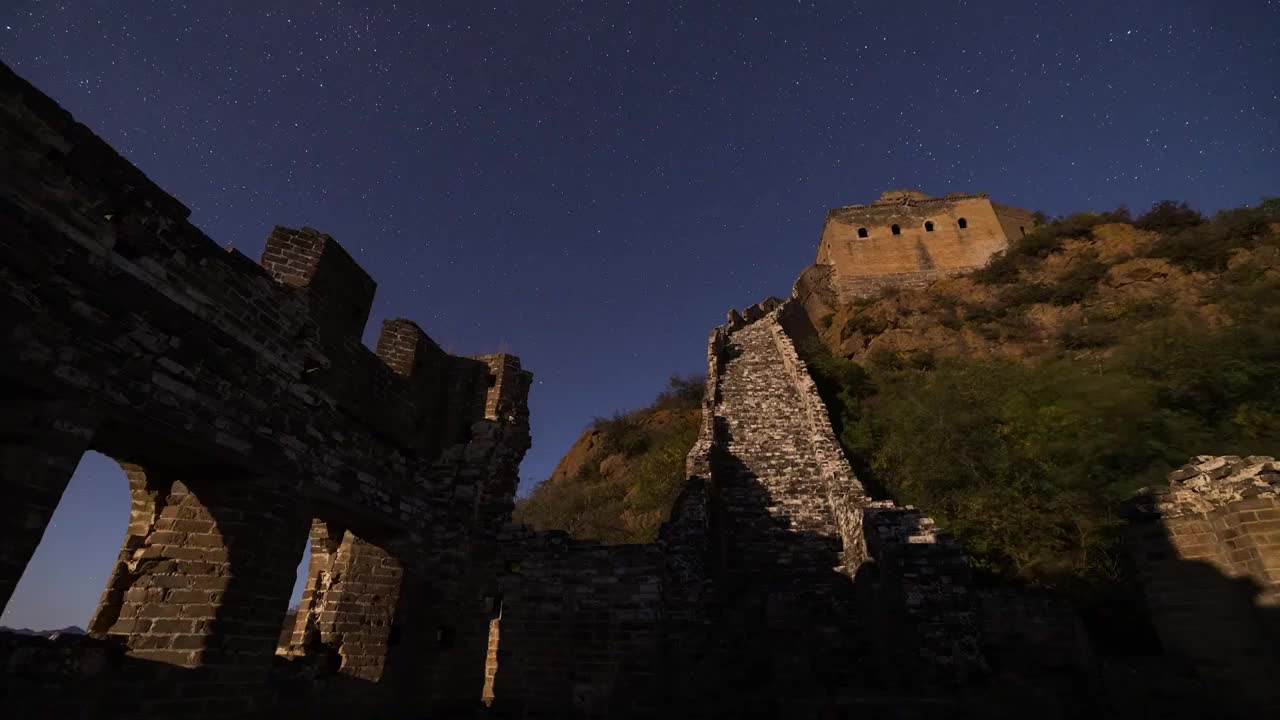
248	415
578	629
829	595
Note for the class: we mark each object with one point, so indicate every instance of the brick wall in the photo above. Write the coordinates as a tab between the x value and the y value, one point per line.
240	399
1207	547
579	629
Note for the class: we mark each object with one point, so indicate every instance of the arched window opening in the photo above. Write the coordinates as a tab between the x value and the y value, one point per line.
962	223
64	580
928	226
862	232
1023	231
896	230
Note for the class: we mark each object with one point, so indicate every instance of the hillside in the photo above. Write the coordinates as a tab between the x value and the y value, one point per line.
1021	404
617	483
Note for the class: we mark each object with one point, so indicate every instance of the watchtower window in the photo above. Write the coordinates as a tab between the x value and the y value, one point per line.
962	223
928	226
896	230
1023	231
862	232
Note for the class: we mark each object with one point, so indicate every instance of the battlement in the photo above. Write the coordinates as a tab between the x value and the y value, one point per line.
905	198
339	290
248	415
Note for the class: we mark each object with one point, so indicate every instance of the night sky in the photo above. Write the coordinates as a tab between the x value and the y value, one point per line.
593	185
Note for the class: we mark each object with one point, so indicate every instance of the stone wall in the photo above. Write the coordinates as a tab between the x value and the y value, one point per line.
777	588
1207	548
825	599
578	630
248	416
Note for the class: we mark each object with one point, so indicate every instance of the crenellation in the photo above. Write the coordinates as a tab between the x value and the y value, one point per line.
245	409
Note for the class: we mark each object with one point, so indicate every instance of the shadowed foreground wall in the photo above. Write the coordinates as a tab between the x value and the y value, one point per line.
247	415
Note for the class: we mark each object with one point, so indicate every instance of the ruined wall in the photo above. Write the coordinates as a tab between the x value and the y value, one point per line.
917	255
246	410
1207	548
579	628
825	599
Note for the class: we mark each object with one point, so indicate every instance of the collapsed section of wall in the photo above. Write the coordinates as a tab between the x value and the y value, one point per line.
1207	547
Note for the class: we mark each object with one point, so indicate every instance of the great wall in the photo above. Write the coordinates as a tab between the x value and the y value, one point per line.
250	420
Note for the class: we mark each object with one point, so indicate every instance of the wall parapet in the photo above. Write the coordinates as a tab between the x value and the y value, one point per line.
245	405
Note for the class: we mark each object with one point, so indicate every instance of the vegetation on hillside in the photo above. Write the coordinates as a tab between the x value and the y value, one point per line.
624	489
1081	364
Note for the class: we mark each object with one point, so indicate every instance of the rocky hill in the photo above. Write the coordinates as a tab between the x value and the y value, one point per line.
1020	404
616	484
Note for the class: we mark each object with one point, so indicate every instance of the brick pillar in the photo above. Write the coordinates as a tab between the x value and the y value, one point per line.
350	601
339	290
41	441
325	539
491	657
203	581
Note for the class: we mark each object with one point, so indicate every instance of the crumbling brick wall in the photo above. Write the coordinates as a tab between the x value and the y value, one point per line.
245	408
1207	547
820	601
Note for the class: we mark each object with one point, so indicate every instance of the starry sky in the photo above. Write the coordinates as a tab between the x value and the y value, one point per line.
591	185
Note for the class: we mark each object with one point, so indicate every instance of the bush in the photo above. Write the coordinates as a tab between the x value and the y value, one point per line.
1079	281
631	505
1209	246
683	392
1005	267
1027	462
623	433
1169	215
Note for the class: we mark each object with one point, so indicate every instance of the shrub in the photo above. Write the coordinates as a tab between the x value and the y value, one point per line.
1005	267
623	433
683	392
1079	281
1169	215
1027	462
1209	246
628	506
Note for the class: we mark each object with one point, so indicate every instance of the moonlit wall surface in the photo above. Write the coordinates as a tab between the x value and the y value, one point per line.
592	185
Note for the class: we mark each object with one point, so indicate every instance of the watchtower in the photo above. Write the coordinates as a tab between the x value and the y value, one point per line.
909	238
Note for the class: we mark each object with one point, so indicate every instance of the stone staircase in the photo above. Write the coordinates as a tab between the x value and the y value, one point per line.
792	529
769	477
